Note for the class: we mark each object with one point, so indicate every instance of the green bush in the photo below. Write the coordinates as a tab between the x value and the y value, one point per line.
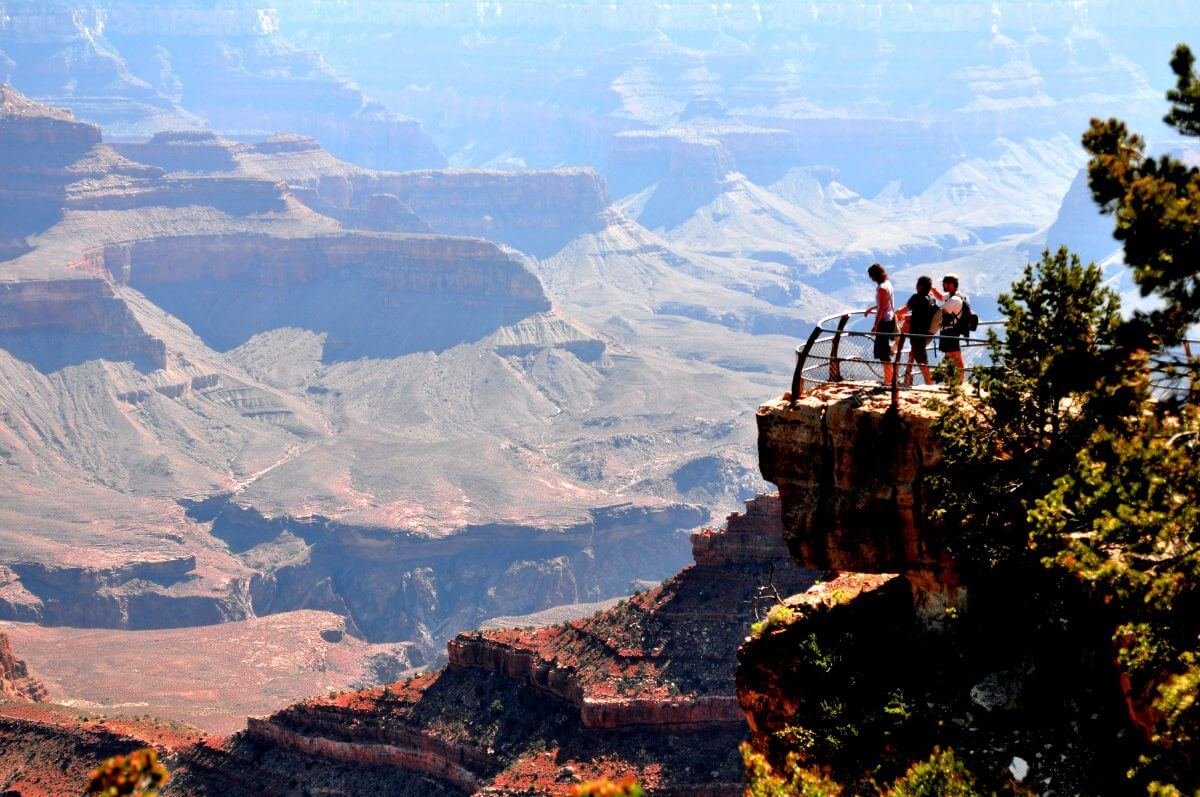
943	775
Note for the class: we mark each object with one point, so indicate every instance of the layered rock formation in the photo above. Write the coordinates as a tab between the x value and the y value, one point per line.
851	471
645	687
140	68
82	307
15	680
859	677
260	380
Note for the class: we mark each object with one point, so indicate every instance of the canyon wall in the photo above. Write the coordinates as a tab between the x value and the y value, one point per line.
538	212
645	687
850	474
82	307
15	679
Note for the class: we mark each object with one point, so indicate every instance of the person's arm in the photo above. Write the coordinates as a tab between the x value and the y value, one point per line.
941	297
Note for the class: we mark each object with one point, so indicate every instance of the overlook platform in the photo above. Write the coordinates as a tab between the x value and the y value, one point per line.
840	349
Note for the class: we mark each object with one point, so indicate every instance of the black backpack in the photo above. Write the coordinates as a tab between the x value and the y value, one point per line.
966	322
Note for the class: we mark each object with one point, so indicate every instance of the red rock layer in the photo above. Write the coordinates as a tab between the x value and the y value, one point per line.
15	680
81	306
647	686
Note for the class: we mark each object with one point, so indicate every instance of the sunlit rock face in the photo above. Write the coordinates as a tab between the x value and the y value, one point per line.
851	471
644	687
850	477
16	682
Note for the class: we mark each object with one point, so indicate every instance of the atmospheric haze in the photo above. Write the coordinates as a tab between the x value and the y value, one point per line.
373	321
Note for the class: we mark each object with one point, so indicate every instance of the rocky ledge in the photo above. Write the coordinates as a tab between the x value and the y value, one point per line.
83	307
851	472
862	676
15	680
645	687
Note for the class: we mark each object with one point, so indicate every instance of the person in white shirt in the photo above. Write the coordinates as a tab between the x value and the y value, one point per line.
953	302
885	318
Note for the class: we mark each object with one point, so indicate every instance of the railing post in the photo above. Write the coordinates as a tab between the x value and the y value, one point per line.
798	376
1193	393
835	365
896	371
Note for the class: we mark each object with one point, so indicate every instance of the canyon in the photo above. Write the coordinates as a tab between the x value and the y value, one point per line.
645	687
384	343
258	378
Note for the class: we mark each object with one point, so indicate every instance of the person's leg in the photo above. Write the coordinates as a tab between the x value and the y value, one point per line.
884	334
920	353
957	357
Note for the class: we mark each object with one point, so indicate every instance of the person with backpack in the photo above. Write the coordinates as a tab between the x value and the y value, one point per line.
918	315
957	321
885	318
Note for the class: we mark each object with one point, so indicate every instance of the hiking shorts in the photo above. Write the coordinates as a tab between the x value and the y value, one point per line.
919	344
884	336
950	343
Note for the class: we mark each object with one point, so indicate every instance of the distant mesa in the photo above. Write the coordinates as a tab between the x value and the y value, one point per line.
182	151
372	295
703	107
640	158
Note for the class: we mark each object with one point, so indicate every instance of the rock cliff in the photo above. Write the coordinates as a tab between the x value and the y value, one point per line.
84	307
536	211
864	674
646	686
850	472
15	680
142	68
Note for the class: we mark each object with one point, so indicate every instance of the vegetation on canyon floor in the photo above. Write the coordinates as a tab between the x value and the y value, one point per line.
1069	495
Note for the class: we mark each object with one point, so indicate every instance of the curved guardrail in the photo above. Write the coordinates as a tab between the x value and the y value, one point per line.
841	349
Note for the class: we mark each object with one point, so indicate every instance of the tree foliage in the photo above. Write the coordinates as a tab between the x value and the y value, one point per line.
1156	205
627	787
139	774
797	780
1059	318
1070	459
943	775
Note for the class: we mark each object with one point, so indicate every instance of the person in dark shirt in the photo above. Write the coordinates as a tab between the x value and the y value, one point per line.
917	315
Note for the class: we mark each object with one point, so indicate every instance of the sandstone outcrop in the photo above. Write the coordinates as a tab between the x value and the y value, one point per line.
851	472
863	675
15	680
646	686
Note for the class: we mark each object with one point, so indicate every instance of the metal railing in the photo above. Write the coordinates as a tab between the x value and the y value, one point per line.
841	348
